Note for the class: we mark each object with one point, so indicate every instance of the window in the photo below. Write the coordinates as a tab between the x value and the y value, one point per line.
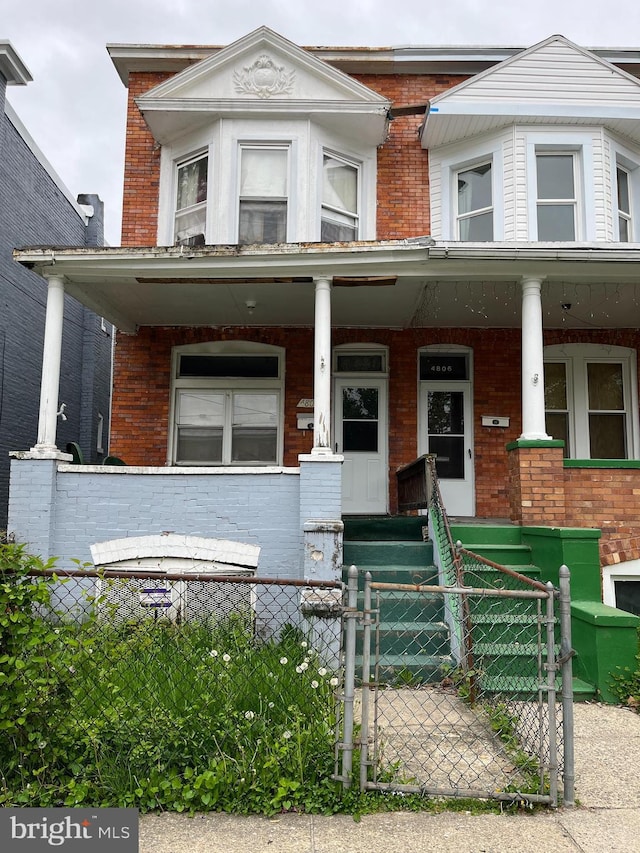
263	194
191	201
474	216
100	434
621	586
588	401
227	407
556	196
623	184
339	219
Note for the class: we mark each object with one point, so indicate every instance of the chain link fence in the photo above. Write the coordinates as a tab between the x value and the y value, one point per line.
455	686
157	679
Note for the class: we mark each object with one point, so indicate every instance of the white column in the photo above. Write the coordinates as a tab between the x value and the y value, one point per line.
322	368
51	356
533	421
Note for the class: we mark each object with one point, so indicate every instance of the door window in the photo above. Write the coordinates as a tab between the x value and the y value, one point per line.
445	430
360	420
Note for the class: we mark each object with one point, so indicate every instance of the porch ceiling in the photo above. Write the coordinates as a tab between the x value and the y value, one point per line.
412	283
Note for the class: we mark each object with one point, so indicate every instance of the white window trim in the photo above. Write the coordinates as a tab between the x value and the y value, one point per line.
490	151
232	384
262	143
628	571
358	166
630	162
459	217
580	145
576	356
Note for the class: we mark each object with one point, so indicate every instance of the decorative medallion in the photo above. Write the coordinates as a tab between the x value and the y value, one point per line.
264	78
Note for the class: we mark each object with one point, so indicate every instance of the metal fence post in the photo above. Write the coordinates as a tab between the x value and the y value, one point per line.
366	683
349	675
566	655
551	696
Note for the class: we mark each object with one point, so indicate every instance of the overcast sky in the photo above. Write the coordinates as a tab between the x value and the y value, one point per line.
75	106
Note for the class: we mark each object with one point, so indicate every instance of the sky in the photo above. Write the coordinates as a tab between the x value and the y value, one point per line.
75	106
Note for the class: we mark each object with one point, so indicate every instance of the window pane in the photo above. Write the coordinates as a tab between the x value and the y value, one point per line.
359	363
190	227
197	444
555	385
337	232
196	407
192	183
474	188
605	386
263	173
557	426
449	452
623	190
263	222
255	410
254	444
263	366
623	227
628	596
607	436
340	184
443	366
445	413
360	436
556	222
477	229
555	176
360	403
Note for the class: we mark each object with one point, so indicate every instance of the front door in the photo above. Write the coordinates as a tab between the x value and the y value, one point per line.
446	413
360	407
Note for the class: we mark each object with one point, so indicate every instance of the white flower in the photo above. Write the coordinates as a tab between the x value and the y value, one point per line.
304	644
226	658
249	715
333	682
213	653
299	669
322	671
271	705
283	661
286	735
314	684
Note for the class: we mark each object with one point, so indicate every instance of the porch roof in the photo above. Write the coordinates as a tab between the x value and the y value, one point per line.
386	284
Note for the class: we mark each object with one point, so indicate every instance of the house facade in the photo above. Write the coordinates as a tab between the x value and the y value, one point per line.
36	208
335	260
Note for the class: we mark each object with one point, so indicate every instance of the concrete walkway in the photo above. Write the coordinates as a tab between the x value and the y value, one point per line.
607	819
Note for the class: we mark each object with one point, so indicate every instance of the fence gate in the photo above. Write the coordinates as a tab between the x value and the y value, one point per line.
460	691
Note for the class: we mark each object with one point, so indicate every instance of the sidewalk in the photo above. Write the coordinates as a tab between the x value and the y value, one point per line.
607	819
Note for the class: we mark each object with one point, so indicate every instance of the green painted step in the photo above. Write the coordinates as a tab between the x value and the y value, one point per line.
383	527
401	669
508	534
418	609
528	687
380	553
388	573
410	639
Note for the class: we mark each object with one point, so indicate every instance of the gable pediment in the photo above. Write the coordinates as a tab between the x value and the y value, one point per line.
261	74
553	82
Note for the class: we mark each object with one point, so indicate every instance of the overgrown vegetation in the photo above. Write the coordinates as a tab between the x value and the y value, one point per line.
626	683
160	716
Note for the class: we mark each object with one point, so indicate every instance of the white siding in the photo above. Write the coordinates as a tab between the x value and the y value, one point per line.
554	73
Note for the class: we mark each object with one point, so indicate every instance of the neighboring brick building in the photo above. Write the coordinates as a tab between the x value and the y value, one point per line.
337	259
37	209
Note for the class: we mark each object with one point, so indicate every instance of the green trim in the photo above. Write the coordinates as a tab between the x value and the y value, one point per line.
596	613
527	442
602	463
564	532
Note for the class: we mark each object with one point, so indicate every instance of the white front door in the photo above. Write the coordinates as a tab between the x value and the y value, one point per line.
445	430
360	430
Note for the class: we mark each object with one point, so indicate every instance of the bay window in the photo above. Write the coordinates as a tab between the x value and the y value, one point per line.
263	194
339	218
